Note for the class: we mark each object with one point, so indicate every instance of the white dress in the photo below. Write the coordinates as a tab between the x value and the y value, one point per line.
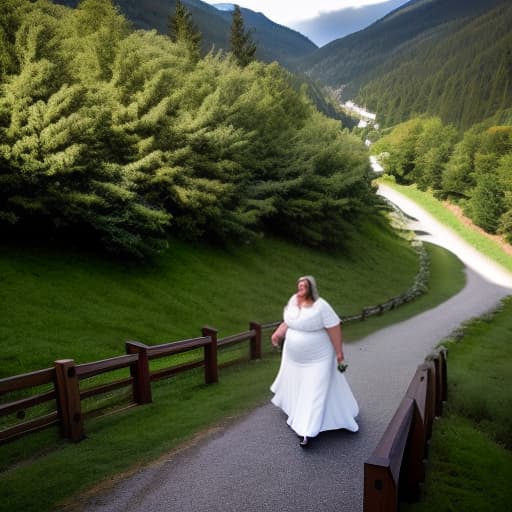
308	388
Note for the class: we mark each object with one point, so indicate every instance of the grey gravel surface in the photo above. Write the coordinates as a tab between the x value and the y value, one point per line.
256	464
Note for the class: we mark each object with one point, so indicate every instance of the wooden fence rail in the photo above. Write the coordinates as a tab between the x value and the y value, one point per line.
396	468
65	395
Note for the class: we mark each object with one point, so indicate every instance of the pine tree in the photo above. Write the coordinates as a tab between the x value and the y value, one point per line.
242	45
182	30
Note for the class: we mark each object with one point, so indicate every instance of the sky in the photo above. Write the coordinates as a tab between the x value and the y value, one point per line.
288	12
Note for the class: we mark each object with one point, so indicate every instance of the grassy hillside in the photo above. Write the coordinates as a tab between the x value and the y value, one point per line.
61	303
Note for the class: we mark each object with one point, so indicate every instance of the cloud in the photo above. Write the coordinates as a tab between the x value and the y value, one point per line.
336	24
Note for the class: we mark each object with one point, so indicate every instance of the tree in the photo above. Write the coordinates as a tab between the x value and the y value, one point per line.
486	203
242	45
434	147
8	27
182	30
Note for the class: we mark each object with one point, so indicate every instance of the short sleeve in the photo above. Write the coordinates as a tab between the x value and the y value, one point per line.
329	316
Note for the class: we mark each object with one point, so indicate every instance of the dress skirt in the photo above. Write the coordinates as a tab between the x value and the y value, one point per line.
308	387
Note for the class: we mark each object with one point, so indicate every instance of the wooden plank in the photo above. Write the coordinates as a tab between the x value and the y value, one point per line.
9	434
105	388
236	338
177	347
87	370
382	469
174	370
26	403
27	380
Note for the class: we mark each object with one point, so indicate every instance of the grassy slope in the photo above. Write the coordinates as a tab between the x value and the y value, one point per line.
62	303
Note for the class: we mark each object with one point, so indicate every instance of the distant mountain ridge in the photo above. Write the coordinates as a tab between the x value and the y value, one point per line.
274	41
417	60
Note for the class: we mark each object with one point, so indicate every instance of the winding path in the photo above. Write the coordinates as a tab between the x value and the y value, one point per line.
256	464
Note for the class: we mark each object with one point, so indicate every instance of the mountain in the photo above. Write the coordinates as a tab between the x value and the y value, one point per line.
443	57
274	41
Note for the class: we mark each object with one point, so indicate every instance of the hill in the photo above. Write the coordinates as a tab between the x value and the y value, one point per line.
420	57
275	42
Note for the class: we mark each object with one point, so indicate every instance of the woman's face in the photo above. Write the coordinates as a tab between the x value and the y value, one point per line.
303	288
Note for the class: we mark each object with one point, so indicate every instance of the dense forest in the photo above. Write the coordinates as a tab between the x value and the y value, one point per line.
443	58
474	171
463	77
123	136
274	41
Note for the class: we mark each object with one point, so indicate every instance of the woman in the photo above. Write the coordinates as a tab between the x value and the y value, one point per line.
308	387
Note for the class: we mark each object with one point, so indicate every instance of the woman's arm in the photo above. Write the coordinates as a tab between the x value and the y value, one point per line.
336	338
279	334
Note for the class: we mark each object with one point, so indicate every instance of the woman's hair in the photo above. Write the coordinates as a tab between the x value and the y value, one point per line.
313	290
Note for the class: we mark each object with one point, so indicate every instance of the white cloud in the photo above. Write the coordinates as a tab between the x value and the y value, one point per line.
286	12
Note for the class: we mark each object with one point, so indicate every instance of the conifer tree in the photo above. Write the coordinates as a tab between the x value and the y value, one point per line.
242	45
182	30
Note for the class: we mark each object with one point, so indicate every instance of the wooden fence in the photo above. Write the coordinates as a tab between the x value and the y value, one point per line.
66	395
395	470
418	287
62	388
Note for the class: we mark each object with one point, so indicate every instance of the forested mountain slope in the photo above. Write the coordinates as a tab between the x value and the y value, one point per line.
274	41
442	57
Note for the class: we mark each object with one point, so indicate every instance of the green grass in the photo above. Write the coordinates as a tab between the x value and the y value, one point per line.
59	303
63	303
479	241
471	459
446	279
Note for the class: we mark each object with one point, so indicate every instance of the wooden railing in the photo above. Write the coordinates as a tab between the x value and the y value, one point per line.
62	388
418	287
395	470
64	395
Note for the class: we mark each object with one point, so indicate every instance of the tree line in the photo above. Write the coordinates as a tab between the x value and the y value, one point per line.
130	138
472	170
461	72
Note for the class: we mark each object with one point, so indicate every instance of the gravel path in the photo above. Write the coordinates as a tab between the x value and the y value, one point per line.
256	463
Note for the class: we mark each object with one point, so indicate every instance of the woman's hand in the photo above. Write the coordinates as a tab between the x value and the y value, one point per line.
276	339
279	334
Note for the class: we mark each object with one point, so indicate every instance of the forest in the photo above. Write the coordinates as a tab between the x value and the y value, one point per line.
473	170
443	58
459	71
127	138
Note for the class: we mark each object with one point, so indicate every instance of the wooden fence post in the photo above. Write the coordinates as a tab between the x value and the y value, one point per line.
255	340
140	372
211	369
68	400
444	380
414	465
430	409
438	365
382	468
